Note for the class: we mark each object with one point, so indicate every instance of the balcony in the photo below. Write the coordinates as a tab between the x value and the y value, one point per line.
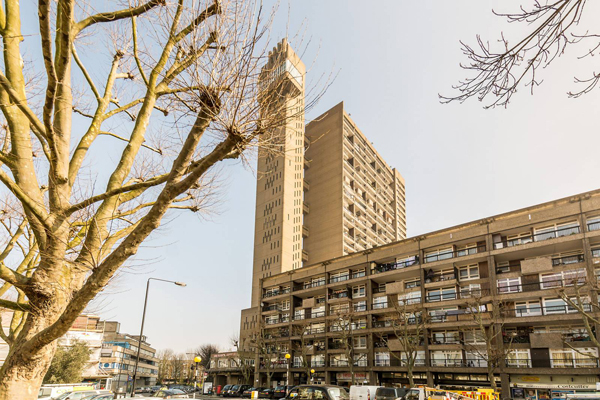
339	278
439	339
277	292
578	258
538	237
318	314
309	285
454	254
317	363
304	255
304	231
549	284
306	186
382	363
305	207
379	268
379	289
380	305
340	295
475	363
440	277
441	297
535	311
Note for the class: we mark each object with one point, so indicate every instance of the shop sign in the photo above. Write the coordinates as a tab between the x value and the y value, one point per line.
347	376
591	386
530	378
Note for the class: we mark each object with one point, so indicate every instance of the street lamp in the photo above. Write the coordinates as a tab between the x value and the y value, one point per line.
197	360
287	377
312	371
137	359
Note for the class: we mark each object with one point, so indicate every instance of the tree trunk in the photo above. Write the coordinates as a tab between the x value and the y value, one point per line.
22	374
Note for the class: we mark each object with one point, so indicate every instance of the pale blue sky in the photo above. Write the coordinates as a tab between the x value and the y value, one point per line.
460	162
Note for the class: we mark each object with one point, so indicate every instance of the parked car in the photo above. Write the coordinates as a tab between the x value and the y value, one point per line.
389	393
227	393
363	392
49	392
81	394
318	392
224	390
265	393
247	394
237	390
104	396
166	394
281	391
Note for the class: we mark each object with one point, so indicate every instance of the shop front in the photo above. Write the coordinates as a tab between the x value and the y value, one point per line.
550	387
345	378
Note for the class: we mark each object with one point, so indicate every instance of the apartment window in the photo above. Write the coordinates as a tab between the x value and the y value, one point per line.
419	358
285	305
557	306
411	284
520	238
360	306
318	360
509	285
380	302
466	249
440	254
338	308
596	253
440	294
527	308
409	298
518	358
358	274
358	291
446	358
360	324
468	272
593	223
339	277
474	336
556	230
338	360
571	358
272	319
298	361
382	359
359	342
467	291
317	312
445	337
502	267
564	278
476	359
440	314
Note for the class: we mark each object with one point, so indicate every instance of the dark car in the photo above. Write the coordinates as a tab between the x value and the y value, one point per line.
265	393
224	390
281	391
388	393
229	392
247	394
318	392
238	390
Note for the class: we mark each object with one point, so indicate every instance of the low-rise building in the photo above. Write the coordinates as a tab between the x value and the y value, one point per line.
118	356
505	273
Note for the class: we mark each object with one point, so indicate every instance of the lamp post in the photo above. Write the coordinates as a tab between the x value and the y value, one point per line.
287	376
312	371
137	359
197	360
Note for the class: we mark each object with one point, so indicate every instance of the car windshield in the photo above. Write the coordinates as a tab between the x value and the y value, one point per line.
338	393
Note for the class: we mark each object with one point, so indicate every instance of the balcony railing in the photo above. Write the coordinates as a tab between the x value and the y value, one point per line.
359	308
382	363
454	254
445	339
379	289
339	278
538	237
577	258
379	268
593	226
310	285
440	277
550	310
477	363
317	363
299	317
339	295
318	314
379	306
272	293
338	363
314	331
549	284
441	297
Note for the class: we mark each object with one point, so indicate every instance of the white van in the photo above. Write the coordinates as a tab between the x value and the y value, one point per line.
363	392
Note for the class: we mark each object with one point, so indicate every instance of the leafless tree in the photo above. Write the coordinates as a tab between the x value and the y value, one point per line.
577	296
498	71
182	90
303	346
408	323
488	326
345	328
205	352
246	356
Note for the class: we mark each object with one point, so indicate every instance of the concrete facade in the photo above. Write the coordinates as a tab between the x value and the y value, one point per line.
513	265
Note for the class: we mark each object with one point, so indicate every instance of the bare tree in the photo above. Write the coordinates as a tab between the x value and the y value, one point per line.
498	71
205	352
408	322
577	297
303	346
183	90
245	358
487	330
345	327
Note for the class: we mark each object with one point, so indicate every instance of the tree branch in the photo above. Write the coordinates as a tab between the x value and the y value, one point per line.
117	15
